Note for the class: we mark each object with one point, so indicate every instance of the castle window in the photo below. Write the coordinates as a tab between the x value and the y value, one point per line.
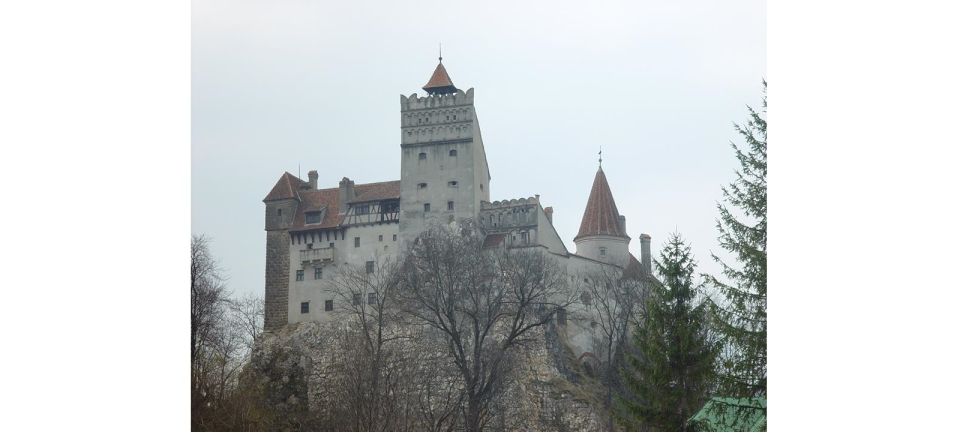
356	242
363	209
603	251
299	274
369	267
328	305
454	117
423	155
426	207
313	217
331	244
304	307
317	273
481	187
371	298
452	184
453	152
449	205
421	185
356	299
409	133
309	246
394	238
381	238
279	212
524	237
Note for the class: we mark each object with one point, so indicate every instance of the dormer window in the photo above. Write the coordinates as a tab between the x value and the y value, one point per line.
314	217
423	156
453	152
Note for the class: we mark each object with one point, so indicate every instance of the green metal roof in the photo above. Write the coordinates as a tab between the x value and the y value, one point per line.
731	414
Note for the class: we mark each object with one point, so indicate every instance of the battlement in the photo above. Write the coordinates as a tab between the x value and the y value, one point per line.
416	102
500	204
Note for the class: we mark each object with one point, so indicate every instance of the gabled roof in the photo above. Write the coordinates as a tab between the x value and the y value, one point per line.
328	201
285	188
601	217
440	82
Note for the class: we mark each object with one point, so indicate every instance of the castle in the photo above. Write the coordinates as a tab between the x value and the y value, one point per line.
444	178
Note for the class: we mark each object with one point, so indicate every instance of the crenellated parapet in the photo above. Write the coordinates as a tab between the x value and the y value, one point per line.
509	214
437	118
426	102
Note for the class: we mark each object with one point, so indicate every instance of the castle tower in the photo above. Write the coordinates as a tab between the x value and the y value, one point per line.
443	168
281	206
603	231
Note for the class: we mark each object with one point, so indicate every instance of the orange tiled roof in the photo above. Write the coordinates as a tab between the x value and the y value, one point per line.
285	188
328	201
439	80
601	217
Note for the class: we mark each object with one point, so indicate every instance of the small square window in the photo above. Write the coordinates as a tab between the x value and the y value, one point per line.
426	207
304	307
394	238
453	152
369	267
423	156
371	298
356	299
449	205
356	242
299	274
317	273
421	185
452	184
481	187
381	238
603	251
331	244
328	305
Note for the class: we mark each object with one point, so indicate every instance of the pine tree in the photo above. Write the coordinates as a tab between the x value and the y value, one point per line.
670	375
740	310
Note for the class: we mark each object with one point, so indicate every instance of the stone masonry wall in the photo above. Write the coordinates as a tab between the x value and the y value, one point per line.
277	280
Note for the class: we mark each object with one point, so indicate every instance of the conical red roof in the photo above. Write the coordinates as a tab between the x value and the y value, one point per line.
601	217
440	82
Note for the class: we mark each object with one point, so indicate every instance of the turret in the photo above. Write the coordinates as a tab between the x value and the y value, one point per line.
603	232
280	206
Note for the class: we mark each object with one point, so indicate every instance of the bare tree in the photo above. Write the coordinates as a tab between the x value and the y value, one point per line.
246	317
483	303
373	363
612	303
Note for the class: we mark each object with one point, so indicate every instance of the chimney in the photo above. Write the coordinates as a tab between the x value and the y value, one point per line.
549	211
346	193
623	223
312	175
645	254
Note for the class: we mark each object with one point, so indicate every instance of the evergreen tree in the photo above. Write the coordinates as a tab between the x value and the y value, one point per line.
740	312
671	372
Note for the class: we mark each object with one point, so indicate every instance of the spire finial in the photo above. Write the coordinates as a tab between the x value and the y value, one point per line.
601	156
441	52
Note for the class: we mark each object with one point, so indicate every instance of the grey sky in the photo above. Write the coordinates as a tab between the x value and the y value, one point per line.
316	83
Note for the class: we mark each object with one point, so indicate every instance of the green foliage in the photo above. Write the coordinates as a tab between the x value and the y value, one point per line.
740	310
671	374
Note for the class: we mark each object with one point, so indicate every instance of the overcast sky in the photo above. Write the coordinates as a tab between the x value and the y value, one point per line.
657	84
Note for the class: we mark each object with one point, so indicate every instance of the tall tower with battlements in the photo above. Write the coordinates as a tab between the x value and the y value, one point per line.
443	166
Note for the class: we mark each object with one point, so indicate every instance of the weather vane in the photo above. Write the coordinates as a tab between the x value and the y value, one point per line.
601	156
441	51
